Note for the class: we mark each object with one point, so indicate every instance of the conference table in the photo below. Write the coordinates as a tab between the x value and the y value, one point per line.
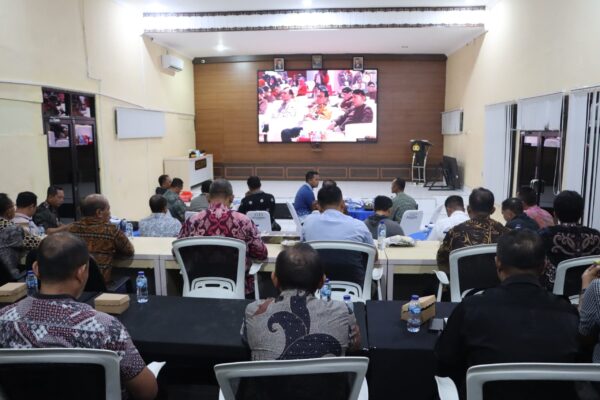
156	254
195	334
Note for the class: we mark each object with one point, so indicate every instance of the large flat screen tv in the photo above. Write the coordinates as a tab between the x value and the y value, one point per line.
326	105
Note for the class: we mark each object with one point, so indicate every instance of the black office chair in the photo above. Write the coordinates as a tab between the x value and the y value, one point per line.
472	269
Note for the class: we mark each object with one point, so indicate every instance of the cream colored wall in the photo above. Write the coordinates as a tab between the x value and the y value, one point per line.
532	47
92	46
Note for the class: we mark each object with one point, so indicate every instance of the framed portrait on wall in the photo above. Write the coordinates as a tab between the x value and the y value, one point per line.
317	61
278	64
357	63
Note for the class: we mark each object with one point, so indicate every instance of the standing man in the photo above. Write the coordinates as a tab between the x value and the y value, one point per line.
402	202
26	206
304	202
455	209
46	214
164	183
220	220
175	204
104	240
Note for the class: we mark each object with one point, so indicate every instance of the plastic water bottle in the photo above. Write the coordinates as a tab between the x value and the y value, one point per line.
129	230
326	291
414	314
141	284
32	283
349	303
41	231
381	235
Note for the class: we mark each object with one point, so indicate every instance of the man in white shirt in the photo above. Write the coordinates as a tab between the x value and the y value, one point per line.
455	209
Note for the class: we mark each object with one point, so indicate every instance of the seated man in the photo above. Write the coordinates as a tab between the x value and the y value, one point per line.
46	214
541	216
26	206
200	202
480	229
307	327
346	103
382	205
401	202
518	321
455	209
104	240
160	223
257	200
512	211
589	308
175	204
219	220
304	202
358	114
13	240
164	183
53	318
569	239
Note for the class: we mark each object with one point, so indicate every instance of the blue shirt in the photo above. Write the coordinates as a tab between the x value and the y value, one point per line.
304	200
333	225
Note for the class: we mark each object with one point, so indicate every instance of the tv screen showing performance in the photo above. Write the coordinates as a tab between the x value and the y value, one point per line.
309	106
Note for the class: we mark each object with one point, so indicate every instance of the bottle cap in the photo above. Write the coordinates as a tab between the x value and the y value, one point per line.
346	297
326	280
414	297
140	272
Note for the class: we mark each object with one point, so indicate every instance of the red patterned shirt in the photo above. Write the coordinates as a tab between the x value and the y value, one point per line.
219	220
61	321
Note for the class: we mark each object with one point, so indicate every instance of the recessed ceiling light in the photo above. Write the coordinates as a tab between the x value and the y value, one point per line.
306	3
156	7
220	47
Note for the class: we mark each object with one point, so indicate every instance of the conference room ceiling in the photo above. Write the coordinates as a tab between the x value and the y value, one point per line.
399	31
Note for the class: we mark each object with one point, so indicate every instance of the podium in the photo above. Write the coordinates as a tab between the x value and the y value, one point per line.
420	149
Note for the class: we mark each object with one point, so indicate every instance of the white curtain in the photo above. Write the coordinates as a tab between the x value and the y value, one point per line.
497	158
540	113
573	177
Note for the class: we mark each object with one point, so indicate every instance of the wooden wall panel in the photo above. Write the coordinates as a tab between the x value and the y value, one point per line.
411	98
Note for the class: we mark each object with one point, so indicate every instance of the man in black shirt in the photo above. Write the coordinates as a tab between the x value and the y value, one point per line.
512	211
518	321
257	200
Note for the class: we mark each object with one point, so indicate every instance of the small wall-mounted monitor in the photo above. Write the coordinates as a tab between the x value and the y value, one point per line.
325	105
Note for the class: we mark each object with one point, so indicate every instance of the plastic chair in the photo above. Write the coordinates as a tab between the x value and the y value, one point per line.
355	367
262	219
411	221
215	266
295	217
446	388
479	375
568	277
44	367
472	267
341	269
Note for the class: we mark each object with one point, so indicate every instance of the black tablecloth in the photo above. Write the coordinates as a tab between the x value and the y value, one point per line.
401	363
192	329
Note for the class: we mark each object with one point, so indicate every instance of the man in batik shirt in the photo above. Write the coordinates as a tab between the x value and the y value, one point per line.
54	318
479	229
220	220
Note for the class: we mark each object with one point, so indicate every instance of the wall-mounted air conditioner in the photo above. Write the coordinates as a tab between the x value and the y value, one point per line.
171	63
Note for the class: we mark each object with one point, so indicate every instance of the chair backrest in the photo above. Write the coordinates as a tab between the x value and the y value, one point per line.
411	221
345	261
292	381
568	276
295	217
189	214
472	267
436	213
481	374
212	266
262	219
59	374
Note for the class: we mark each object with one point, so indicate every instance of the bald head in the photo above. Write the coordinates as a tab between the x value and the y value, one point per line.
95	205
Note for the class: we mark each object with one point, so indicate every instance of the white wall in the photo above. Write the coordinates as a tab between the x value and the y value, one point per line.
92	46
532	47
